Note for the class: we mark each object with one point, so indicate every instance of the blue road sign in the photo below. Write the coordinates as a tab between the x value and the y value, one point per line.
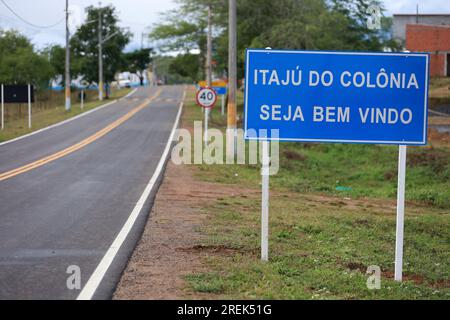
347	97
220	90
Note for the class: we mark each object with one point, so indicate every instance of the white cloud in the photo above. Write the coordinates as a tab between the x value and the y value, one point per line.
137	14
409	6
134	14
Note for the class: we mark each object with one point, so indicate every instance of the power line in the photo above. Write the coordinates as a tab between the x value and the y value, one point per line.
30	23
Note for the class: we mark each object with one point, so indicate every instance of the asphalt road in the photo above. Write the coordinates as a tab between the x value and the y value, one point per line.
68	211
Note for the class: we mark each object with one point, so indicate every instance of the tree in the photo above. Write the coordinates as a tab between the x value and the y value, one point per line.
20	64
137	62
84	44
186	65
163	65
296	24
184	29
56	55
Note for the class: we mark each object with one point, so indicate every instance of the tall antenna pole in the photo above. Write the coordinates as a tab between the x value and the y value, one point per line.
208	67
417	13
100	56
209	49
67	73
232	78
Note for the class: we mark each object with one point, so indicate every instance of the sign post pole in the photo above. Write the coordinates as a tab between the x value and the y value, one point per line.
3	108
29	106
82	99
265	201
400	212
206	126
223	105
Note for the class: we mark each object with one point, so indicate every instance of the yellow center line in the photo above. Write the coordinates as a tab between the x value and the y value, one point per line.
79	145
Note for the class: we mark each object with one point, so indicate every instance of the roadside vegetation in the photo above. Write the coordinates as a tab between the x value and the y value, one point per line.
21	63
325	25
16	124
332	215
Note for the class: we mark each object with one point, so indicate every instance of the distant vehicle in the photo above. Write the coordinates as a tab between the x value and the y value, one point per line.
124	83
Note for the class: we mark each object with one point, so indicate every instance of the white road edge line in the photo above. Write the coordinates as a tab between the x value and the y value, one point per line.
95	279
67	120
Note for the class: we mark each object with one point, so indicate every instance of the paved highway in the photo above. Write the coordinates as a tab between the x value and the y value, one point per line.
73	196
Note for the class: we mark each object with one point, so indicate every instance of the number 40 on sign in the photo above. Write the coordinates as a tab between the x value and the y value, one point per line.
206	98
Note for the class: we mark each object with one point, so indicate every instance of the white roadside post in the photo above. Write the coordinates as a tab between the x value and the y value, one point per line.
3	107
223	104
82	99
205	136
29	106
400	212
265	201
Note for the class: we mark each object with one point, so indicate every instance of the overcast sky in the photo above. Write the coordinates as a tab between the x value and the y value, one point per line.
134	14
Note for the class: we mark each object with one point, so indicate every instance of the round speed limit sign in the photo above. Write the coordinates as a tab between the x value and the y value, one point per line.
206	98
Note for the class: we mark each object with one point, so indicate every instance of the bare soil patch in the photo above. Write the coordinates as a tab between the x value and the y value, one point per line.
171	245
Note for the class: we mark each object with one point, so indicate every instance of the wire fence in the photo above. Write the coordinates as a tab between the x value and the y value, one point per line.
47	99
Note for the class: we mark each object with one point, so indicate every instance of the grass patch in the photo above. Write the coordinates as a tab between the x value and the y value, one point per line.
206	282
40	119
319	250
321	239
347	170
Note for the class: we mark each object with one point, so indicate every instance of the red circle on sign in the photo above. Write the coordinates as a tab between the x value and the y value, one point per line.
208	89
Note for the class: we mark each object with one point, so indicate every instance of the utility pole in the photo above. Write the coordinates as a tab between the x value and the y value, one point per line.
155	76
209	49
417	13
67	73
100	56
232	80
208	67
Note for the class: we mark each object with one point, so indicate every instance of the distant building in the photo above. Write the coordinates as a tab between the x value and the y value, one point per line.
426	33
432	39
401	20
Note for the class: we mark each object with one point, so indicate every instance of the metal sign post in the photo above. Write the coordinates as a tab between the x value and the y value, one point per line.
223	105
205	135
29	106
265	201
16	94
82	99
400	212
3	107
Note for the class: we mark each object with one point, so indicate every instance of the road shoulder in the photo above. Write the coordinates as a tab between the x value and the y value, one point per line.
171	245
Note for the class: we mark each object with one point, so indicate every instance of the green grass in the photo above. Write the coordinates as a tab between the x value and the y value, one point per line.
321	251
322	240
364	170
18	127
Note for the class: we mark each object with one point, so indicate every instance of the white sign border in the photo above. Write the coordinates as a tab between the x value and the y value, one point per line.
215	97
403	54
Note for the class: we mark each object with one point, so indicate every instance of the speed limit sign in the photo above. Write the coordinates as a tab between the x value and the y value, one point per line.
206	98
